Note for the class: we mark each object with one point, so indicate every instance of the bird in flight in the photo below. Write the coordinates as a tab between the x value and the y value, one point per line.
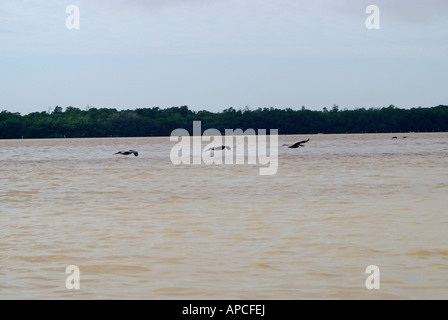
218	148
297	144
213	149
126	153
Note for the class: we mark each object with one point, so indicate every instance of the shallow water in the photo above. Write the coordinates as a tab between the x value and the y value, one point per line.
143	228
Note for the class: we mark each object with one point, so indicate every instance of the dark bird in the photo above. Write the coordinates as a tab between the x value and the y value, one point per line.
213	149
218	148
394	137
297	144
126	153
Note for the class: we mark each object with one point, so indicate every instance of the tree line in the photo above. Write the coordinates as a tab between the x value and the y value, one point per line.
145	122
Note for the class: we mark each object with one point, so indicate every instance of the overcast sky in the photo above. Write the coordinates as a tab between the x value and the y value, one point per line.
216	54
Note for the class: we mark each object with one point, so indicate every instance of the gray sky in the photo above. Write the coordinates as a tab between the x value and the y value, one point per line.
216	54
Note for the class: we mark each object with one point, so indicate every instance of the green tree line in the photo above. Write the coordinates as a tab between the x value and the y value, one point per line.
105	122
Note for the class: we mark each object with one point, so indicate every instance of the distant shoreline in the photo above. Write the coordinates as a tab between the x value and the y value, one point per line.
155	122
391	134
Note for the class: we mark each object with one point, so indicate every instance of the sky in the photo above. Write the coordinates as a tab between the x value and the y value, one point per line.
216	54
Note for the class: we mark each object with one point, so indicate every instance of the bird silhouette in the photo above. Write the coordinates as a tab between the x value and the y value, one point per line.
297	144
218	148
126	153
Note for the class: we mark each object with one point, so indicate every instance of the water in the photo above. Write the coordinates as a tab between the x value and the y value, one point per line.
142	228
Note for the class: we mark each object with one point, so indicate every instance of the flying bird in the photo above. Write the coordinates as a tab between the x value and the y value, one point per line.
297	144
218	148
126	153
213	149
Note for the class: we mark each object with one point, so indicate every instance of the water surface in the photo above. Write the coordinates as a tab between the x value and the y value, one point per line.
142	228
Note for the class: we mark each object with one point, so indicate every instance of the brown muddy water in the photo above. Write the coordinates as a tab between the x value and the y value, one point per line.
144	228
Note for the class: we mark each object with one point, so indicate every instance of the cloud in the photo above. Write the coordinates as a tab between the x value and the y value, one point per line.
281	27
